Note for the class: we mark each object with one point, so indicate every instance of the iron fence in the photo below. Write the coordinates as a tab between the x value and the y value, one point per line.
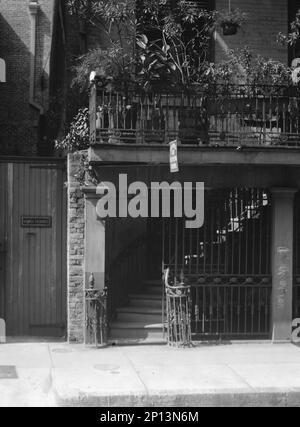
218	115
232	307
235	238
178	310
296	261
226	263
296	298
96	326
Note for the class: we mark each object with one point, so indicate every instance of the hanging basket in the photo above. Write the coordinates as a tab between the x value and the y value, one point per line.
229	29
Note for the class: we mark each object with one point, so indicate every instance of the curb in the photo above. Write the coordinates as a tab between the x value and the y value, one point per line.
198	400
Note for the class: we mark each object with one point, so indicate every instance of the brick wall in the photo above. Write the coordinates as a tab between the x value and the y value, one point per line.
76	224
18	121
266	19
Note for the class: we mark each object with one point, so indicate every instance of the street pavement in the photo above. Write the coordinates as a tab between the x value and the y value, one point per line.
236	374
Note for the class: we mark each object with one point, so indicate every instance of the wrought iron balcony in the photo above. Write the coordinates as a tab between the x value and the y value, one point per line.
218	115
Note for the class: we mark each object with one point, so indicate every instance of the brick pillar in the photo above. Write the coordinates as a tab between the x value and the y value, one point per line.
76	232
282	263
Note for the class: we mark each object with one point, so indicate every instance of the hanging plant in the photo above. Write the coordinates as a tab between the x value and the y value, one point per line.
230	20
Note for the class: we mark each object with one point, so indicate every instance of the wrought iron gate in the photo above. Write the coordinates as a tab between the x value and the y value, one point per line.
226	262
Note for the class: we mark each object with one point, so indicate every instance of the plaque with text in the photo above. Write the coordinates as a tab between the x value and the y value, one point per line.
36	221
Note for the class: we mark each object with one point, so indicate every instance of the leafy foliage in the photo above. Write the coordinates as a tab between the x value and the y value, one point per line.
112	65
115	19
162	45
113	12
243	66
86	174
177	55
79	133
294	35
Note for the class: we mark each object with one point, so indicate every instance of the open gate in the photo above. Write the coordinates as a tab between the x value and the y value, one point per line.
227	263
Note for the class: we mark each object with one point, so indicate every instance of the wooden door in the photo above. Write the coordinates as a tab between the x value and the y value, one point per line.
3	235
36	256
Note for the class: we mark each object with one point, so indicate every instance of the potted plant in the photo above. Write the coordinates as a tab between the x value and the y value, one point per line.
231	20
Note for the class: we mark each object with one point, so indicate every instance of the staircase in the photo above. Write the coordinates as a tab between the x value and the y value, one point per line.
141	320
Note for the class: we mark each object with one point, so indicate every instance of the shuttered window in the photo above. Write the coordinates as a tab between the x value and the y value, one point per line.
294	6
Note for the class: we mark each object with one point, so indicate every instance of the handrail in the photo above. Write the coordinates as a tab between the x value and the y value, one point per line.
196	88
215	114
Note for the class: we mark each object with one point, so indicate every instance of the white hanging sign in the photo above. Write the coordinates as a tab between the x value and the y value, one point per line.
2	71
174	157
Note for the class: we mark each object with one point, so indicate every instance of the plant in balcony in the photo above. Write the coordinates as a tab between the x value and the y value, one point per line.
161	50
177	60
230	20
257	88
255	72
113	60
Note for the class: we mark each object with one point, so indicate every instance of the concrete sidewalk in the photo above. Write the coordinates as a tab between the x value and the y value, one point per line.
206	375
25	375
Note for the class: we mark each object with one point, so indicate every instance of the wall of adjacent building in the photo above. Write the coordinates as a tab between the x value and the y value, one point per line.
20	124
266	18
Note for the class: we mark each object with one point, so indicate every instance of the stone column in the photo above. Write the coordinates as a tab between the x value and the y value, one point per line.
282	263
94	253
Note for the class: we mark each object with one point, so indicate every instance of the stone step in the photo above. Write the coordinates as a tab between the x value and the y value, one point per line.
153	290
155	297
135	330
145	302
139	310
153	282
128	316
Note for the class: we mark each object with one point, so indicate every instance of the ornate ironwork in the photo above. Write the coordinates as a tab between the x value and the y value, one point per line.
296	282
237	306
96	325
226	263
230	115
178	308
296	297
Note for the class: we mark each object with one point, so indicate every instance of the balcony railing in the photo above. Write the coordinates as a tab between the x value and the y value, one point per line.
218	115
